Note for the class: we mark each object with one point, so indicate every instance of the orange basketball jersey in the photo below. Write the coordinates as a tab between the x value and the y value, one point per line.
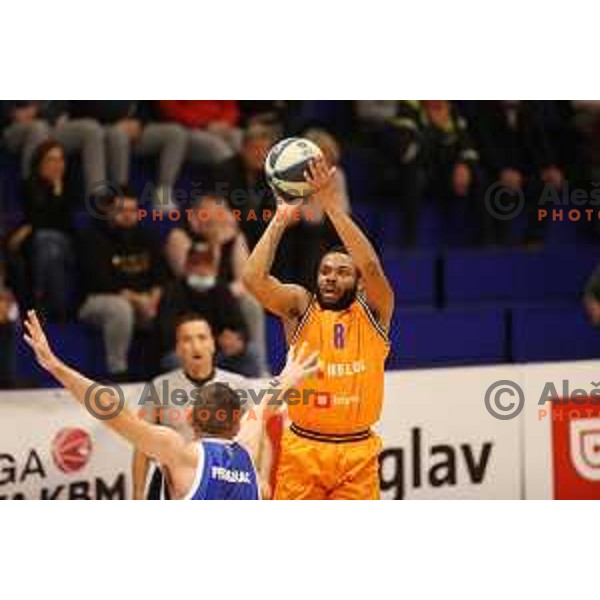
348	388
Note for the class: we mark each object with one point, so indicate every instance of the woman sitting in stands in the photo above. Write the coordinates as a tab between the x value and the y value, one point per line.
44	240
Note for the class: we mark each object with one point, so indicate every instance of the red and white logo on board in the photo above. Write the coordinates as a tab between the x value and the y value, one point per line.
585	447
71	449
576	451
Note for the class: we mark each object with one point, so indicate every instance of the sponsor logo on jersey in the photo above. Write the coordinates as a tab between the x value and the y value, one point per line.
230	475
344	369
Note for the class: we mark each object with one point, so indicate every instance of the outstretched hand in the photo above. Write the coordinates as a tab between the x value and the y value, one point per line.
37	341
299	366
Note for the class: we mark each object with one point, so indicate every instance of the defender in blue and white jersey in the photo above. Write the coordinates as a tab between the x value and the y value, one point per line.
225	471
223	468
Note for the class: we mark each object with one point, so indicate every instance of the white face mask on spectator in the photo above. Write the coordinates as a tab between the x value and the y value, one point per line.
201	283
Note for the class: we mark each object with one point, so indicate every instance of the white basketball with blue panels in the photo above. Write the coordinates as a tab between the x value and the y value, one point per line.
285	166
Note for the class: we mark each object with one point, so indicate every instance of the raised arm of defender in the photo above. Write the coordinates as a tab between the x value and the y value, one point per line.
160	443
380	296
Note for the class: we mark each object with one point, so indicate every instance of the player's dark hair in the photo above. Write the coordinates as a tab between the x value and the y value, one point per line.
189	317
338	249
217	411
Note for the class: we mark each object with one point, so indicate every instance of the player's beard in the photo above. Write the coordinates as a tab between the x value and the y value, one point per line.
344	302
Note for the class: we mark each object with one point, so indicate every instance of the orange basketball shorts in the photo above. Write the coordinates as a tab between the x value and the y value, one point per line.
311	469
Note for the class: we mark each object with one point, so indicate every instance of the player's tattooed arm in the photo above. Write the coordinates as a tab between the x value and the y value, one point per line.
160	443
379	292
288	301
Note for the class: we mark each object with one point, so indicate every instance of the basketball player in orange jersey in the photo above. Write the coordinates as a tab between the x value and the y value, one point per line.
330	450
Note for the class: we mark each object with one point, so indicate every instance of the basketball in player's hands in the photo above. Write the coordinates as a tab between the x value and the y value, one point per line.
321	177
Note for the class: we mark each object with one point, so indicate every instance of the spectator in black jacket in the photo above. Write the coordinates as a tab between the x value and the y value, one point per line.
201	292
451	165
127	127
419	146
125	274
41	246
49	208
242	181
519	154
393	131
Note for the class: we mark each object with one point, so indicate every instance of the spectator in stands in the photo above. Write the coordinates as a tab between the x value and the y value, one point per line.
419	147
249	193
272	113
242	179
392	130
214	132
336	116
124	271
587	121
201	292
127	127
24	129
27	123
8	335
48	209
559	121
331	150
212	223
517	152
451	166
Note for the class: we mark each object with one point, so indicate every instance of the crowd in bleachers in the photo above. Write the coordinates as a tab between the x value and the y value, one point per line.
414	174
